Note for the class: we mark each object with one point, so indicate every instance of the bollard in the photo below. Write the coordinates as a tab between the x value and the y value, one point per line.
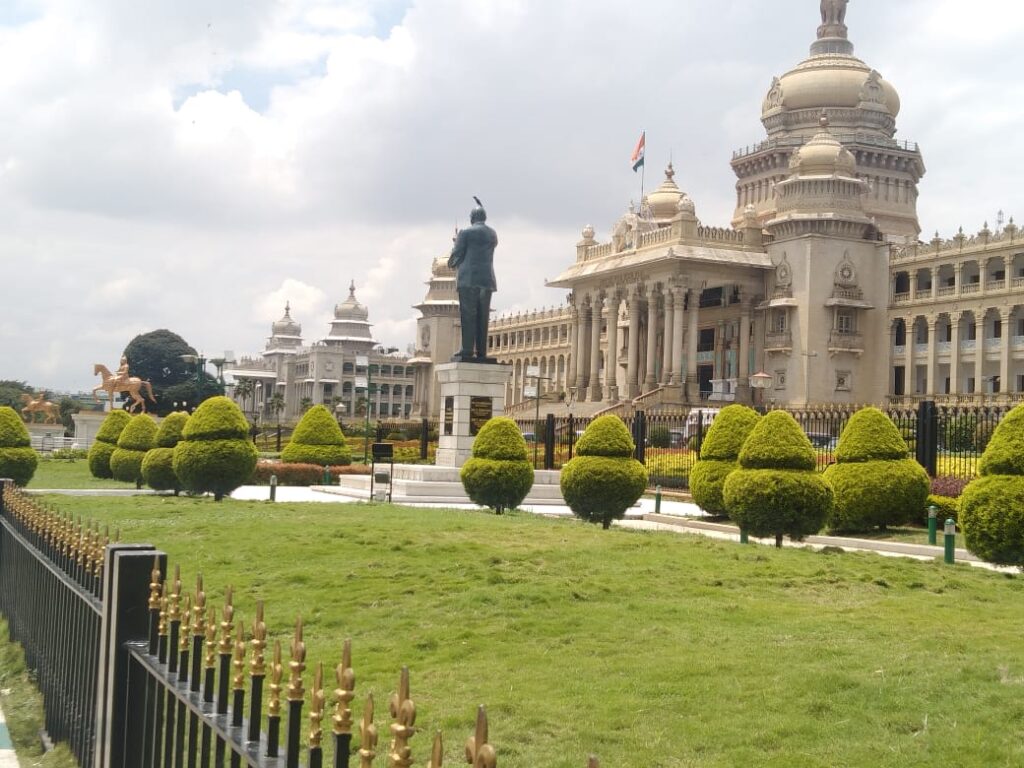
933	524
950	541
657	499
743	536
327	475
273	487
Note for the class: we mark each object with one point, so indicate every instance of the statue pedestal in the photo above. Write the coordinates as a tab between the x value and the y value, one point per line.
471	393
46	437
87	424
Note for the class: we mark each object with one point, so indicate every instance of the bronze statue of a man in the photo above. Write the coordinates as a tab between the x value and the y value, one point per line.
473	258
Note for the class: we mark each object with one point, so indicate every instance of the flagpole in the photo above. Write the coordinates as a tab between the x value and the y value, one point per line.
643	172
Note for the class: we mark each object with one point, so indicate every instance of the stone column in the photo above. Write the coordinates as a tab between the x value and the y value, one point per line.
633	359
572	360
669	337
692	385
913	284
650	381
933	351
611	357
954	353
595	347
583	352
958	278
982	275
1007	280
743	369
678	302
935	282
1004	359
979	351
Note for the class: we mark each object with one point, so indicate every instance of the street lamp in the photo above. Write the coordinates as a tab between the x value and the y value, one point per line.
363	361
533	372
200	363
761	381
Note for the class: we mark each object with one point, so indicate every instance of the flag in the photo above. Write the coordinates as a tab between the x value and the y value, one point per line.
638	154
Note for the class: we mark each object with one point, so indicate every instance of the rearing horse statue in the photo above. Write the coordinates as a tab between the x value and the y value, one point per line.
133	385
39	404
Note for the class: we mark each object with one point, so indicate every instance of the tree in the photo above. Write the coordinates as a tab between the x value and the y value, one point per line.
214	454
106	443
18	460
244	389
776	490
158	466
718	456
317	440
135	440
11	392
499	473
603	480
157	358
277	404
874	481
305	404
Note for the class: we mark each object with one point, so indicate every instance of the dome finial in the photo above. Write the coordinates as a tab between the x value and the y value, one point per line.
352	290
287	308
832	32
670	172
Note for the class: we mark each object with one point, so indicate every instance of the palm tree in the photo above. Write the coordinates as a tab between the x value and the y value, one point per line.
244	389
276	403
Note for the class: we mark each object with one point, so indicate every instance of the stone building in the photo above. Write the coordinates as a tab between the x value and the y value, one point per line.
819	292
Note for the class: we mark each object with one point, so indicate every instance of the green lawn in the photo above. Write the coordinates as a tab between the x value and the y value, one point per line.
647	649
53	474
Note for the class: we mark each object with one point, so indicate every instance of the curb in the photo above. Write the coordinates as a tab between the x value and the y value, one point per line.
7	757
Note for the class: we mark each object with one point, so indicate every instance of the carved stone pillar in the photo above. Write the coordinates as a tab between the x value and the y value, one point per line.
933	351
954	353
611	357
650	380
958	278
693	334
669	338
595	347
743	369
678	302
583	350
633	359
913	285
935	282
1007	281
979	352
573	359
1005	314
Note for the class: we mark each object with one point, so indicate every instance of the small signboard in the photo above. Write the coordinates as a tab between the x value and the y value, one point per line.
533	371
360	382
383	451
529	391
362	361
449	415
481	409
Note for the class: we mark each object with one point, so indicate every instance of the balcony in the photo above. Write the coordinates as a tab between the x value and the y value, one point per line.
901	298
778	341
900	350
845	341
948	290
970	288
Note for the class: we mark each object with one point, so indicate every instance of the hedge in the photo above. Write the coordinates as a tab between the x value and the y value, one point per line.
499	474
106	442
136	438
718	456
317	440
603	480
301	474
215	455
18	460
158	466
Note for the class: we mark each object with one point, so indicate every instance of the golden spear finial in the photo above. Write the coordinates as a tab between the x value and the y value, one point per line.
345	692
403	713
174	599
479	753
297	665
101	552
257	667
238	661
227	627
155	582
199	609
437	753
276	673
183	643
316	707
210	644
162	624
367	736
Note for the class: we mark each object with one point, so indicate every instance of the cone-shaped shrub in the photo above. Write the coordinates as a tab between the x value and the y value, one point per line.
499	473
874	481
214	454
17	459
992	505
603	480
317	440
718	456
158	466
136	438
106	443
775	491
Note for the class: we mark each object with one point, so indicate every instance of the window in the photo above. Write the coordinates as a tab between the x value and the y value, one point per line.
995	385
947	390
1020	326
779	321
999	274
780	378
997	329
1020	382
842	381
972	331
970	385
901	335
706	340
844	321
949	337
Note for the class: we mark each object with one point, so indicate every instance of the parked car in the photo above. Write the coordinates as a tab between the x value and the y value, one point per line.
823	440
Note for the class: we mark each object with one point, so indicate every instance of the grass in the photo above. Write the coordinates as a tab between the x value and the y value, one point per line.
23	709
643	648
53	474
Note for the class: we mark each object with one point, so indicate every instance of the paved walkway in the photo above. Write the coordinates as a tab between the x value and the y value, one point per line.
7	757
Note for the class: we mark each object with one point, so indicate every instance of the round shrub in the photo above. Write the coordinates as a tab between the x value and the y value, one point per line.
775	491
106	443
603	480
317	440
158	466
136	438
992	506
18	460
718	455
946	508
214	454
874	482
499	473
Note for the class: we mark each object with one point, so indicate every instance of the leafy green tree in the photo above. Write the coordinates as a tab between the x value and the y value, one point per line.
68	408
244	390
305	404
277	404
11	392
156	357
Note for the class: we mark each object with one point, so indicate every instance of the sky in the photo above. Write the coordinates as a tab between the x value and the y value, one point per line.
193	164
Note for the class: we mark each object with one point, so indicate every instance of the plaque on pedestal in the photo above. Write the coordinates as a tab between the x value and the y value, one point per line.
471	394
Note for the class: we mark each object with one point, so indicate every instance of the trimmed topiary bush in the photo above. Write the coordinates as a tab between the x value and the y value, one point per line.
136	438
603	480
499	474
775	491
106	443
158	466
317	440
18	460
992	505
946	508
874	482
214	454
718	456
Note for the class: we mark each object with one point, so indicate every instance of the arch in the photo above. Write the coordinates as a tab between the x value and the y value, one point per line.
901	282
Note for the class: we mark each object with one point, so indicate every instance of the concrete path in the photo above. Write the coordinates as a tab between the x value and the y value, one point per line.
7	757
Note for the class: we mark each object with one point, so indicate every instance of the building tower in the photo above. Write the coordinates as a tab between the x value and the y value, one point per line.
437	335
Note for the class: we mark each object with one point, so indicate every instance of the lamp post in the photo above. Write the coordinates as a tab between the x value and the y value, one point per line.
533	372
257	409
761	381
363	361
200	363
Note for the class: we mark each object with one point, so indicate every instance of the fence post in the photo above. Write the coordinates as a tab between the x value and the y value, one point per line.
572	435
640	434
127	570
927	436
549	442
424	435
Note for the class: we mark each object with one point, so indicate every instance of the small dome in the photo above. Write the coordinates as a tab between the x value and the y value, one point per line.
440	268
664	200
823	155
686	206
351	309
286	326
588	232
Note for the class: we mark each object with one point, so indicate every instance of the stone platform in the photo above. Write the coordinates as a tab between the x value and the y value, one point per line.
426	484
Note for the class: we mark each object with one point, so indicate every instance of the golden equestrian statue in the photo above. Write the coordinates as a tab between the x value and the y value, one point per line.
39	404
123	382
